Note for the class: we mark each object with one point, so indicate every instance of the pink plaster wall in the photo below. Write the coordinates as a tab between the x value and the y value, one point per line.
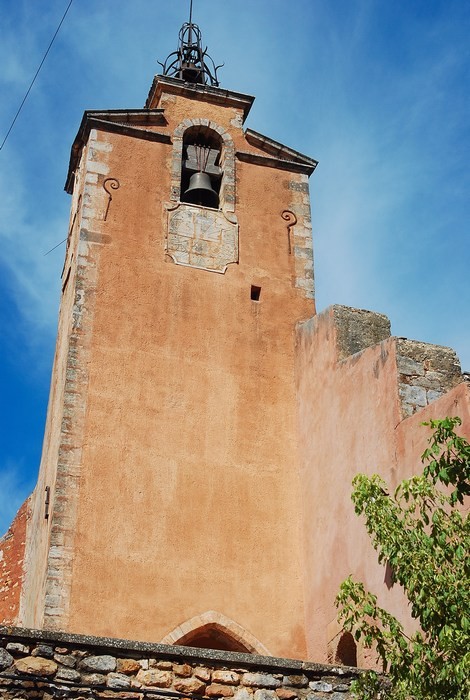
350	421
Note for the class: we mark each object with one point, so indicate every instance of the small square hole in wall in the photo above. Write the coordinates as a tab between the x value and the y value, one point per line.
255	293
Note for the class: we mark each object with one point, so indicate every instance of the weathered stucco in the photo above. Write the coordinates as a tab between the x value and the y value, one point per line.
350	413
12	546
181	410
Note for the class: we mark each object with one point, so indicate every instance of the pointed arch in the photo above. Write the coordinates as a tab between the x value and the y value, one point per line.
214	628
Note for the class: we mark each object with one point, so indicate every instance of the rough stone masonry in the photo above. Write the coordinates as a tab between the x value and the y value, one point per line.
45	665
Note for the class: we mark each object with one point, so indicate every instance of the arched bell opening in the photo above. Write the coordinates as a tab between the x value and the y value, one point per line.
346	651
212	636
201	172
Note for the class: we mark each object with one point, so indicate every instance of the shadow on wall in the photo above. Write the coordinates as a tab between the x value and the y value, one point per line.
346	651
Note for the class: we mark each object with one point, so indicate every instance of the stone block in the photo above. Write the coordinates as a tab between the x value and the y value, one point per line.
413	395
118	681
409	367
6	659
432	395
43	650
217	690
67	674
286	693
243	694
263	694
16	648
260	680
104	663
36	666
202	673
65	660
128	666
154	678
190	685
96	166
321	686
93	679
102	146
295	681
435	358
228	677
183	670
358	329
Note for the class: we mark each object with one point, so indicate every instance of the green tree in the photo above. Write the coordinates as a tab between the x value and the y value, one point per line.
423	534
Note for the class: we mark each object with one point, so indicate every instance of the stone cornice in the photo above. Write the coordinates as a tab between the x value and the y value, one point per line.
279	150
273	162
126	122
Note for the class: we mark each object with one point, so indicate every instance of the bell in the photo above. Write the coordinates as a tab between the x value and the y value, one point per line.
200	191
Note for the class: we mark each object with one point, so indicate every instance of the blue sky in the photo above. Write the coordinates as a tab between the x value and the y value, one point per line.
377	91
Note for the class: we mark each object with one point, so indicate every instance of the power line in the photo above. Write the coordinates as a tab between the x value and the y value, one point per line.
56	246
35	76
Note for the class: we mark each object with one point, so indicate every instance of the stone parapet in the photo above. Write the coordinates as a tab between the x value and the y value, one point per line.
358	329
41	664
425	373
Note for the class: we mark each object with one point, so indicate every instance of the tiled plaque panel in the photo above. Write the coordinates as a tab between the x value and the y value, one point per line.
201	237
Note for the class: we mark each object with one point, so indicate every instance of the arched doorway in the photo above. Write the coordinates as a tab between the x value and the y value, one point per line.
213	630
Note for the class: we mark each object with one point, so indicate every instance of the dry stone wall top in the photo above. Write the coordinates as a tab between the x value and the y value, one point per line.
46	665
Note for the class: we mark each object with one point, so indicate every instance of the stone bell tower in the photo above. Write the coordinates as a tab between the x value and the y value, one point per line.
167	506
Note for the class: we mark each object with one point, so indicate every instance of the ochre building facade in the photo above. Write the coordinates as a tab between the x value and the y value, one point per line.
204	423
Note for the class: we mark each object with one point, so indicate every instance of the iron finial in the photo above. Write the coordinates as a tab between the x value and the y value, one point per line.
190	62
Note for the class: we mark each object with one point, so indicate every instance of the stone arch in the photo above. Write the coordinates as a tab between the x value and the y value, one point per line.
346	651
213	628
227	160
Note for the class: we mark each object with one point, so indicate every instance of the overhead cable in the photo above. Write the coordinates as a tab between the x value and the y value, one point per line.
35	76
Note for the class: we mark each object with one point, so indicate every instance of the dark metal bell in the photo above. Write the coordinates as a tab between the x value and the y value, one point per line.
200	191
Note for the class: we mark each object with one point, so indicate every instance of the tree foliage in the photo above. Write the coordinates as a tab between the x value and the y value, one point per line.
424	535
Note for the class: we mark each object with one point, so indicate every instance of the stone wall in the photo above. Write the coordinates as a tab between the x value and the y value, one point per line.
38	664
425	373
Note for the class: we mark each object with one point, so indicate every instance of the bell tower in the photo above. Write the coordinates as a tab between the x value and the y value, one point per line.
170	462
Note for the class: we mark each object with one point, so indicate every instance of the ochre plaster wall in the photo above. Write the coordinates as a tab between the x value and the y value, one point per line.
185	494
350	421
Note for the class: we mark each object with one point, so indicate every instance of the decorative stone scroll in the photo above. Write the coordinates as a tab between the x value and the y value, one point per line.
291	218
200	237
111	183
